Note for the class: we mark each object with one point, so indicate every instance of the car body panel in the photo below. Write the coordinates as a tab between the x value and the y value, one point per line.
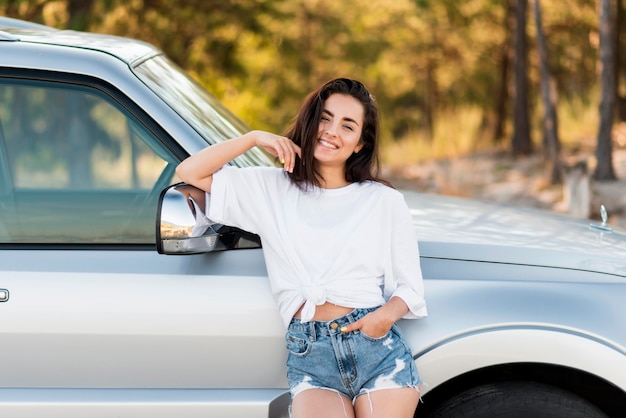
141	403
522	343
140	320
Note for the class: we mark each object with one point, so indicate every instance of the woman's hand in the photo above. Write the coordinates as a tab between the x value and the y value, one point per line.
374	325
378	323
279	146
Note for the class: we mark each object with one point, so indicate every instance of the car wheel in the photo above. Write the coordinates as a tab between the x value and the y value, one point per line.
516	400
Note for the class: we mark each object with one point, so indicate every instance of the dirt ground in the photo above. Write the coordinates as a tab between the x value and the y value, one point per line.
496	176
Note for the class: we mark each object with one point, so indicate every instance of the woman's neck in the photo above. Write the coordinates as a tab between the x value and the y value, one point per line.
333	177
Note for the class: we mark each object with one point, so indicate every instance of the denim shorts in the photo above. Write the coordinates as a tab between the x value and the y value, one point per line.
322	357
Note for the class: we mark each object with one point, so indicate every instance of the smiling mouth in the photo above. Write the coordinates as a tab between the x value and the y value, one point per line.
328	145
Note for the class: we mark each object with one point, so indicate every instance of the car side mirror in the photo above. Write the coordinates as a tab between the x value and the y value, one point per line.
183	227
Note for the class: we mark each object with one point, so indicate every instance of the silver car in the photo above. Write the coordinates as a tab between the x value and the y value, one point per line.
527	308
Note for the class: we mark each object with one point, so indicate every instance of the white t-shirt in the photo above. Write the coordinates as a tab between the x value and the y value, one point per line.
354	246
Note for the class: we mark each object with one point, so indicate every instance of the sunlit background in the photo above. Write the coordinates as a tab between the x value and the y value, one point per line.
442	71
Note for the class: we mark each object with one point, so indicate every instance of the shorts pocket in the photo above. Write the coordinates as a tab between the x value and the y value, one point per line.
375	339
393	333
297	343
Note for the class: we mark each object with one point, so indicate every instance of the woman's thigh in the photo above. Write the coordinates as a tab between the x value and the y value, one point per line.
397	403
315	403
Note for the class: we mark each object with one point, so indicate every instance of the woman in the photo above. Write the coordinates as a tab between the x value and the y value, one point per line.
340	251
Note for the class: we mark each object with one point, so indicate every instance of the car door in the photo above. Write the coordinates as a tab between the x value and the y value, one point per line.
90	303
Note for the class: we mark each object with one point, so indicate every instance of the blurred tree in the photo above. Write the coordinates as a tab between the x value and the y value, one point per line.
21	9
80	12
551	143
430	63
604	148
521	143
505	53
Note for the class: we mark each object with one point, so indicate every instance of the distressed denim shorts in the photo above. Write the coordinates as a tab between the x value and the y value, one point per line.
352	364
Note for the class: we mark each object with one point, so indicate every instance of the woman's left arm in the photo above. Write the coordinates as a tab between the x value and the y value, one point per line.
403	283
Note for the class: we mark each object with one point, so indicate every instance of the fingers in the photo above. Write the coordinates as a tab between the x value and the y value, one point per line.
353	326
282	147
287	153
368	325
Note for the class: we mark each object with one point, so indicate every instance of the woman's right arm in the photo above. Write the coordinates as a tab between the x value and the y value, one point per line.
199	168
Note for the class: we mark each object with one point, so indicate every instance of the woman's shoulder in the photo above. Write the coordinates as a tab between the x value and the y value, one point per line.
256	175
384	190
386	196
261	171
275	177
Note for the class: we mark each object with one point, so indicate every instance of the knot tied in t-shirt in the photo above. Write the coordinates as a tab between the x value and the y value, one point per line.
313	295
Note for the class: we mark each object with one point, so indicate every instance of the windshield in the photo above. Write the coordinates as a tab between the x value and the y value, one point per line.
214	122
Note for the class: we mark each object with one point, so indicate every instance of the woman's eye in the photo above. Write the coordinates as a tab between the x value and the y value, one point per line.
325	119
348	127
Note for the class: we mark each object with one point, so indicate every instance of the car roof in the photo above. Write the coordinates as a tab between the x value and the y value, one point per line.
125	49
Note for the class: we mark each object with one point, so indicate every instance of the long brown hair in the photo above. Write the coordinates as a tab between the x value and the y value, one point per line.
361	166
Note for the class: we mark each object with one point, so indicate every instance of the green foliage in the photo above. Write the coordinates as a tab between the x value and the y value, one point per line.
428	62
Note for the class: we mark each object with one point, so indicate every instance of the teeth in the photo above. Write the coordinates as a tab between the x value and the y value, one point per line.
328	144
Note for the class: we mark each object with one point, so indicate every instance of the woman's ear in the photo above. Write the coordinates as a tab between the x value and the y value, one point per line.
359	147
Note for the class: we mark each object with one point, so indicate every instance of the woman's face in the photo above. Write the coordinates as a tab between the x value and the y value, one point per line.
339	133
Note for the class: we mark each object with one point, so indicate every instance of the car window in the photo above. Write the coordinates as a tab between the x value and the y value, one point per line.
78	168
198	107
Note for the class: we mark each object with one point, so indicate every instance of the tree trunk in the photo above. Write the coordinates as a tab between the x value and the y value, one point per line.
604	148
504	64
430	100
521	143
551	143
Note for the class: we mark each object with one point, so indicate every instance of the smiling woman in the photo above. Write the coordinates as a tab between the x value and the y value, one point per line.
337	283
339	137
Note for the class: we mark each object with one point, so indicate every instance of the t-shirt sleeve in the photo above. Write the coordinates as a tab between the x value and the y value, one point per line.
403	276
239	196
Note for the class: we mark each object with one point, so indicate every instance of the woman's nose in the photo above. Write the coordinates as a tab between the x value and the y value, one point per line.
331	129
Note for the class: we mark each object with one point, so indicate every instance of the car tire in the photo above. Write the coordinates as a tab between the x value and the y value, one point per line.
516	400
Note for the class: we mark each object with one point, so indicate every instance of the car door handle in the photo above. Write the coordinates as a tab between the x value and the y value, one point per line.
4	295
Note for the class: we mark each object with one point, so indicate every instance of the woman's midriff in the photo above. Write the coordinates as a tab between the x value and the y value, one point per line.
326	312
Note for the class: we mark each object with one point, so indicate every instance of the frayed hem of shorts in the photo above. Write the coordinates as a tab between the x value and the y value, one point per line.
293	395
368	391
341	395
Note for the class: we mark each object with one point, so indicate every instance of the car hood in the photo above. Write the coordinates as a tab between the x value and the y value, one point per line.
465	229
